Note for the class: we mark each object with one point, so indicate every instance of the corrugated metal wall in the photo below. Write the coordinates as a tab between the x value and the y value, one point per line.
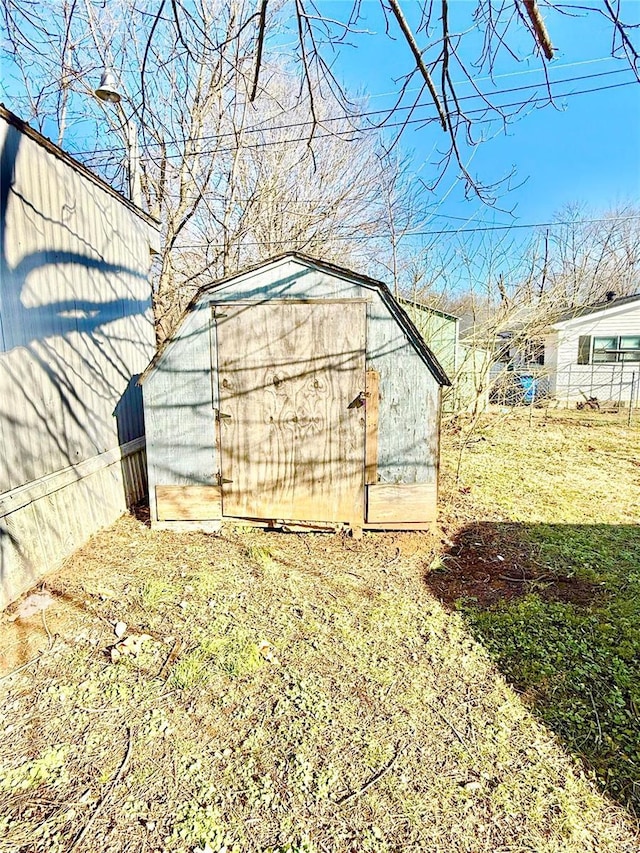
75	331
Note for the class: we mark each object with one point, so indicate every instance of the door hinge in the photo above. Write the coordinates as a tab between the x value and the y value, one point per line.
218	315
221	480
221	415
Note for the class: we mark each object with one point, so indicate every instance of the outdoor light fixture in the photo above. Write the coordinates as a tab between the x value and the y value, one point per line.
108	88
109	91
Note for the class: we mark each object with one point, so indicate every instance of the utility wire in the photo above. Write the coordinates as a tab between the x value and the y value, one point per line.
419	121
370	113
475	230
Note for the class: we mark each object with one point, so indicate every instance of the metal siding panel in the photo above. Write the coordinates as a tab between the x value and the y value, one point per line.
71	315
289	281
179	414
439	333
76	324
409	399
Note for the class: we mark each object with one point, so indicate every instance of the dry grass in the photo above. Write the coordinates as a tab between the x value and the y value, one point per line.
381	726
560	467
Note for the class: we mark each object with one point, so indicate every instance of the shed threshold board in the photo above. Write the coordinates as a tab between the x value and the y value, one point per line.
297	525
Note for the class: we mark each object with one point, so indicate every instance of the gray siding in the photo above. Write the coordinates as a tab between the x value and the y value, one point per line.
409	403
180	425
76	330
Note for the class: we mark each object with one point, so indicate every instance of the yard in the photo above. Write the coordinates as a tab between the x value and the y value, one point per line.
282	692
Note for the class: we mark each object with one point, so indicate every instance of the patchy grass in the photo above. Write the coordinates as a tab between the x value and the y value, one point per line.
305	693
556	600
565	467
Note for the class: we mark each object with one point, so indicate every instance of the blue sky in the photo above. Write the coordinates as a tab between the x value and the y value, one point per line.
586	149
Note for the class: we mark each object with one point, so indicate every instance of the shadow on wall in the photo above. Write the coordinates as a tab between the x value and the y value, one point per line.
558	608
72	325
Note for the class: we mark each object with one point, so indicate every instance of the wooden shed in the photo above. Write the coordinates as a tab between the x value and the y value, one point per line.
297	393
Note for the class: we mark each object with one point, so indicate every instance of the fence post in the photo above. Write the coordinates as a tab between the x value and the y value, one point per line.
631	396
613	374
620	390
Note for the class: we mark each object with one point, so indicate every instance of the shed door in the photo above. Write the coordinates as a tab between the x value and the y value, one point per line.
292	427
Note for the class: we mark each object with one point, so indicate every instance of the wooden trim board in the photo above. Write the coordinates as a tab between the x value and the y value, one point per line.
371	413
329	300
42	487
401	503
188	503
407	526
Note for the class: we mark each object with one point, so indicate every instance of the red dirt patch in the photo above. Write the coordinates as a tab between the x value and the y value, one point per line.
490	562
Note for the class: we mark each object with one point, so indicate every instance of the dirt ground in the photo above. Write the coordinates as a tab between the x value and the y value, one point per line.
284	693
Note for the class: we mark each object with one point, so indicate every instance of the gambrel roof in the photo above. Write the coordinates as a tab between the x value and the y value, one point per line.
397	312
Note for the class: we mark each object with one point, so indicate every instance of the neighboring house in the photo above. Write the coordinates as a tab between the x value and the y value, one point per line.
466	365
297	392
595	351
439	330
517	374
76	329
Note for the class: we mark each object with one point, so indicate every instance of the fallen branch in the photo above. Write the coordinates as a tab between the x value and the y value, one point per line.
80	836
46	628
375	778
20	668
524	578
451	726
173	654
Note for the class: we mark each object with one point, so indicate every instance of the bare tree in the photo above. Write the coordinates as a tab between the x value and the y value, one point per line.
590	256
233	181
440	42
246	153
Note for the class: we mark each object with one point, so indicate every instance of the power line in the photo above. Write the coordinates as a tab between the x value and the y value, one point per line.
518	73
476	230
370	113
417	121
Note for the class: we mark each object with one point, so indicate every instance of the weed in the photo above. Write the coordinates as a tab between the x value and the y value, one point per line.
156	591
261	556
50	769
572	642
199	823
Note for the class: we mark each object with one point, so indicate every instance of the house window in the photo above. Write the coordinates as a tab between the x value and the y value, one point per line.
533	353
605	349
630	348
616	348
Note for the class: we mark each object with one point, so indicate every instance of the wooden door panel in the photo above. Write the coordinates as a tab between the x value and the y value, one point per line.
292	447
